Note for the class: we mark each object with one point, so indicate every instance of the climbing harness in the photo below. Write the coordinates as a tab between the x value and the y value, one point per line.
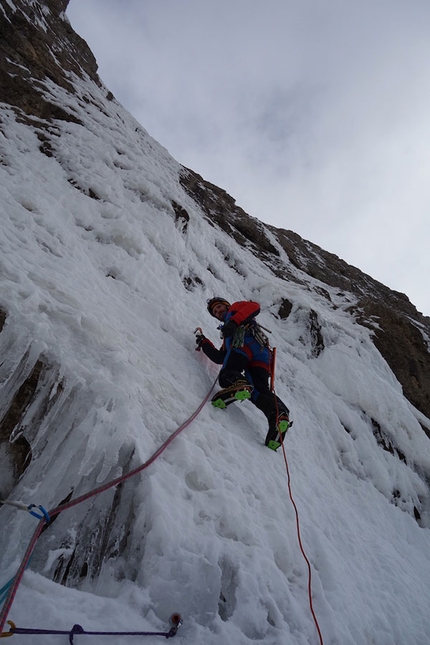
175	622
254	329
47	516
259	335
239	337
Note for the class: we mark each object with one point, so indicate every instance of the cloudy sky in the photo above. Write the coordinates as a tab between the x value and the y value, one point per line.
314	115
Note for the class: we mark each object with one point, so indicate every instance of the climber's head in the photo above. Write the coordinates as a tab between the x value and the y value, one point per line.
218	307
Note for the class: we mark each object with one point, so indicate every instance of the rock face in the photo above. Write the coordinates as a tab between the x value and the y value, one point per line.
38	45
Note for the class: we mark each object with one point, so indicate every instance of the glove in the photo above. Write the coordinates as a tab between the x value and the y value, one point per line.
229	329
200	339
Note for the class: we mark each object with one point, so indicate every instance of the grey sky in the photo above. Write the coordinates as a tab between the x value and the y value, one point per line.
314	116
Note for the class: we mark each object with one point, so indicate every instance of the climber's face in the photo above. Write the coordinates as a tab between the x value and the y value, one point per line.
219	310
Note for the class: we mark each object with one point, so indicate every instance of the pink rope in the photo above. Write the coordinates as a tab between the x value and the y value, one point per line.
96	491
305	557
296	510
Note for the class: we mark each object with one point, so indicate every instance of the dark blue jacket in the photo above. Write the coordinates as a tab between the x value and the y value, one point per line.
241	313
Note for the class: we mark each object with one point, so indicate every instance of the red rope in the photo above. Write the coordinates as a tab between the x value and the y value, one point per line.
63	507
299	536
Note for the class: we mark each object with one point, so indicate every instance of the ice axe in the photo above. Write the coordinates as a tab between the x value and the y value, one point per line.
198	332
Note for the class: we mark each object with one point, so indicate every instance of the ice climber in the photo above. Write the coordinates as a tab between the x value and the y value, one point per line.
246	357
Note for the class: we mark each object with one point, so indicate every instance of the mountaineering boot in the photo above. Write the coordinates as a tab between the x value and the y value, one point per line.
239	391
276	433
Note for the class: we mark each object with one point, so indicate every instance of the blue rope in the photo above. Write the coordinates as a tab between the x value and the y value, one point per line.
77	629
4	590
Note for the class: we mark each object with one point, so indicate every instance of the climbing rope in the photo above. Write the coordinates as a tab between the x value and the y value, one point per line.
290	492
299	537
4	590
13	585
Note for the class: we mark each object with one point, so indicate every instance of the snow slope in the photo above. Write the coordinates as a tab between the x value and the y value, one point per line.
104	285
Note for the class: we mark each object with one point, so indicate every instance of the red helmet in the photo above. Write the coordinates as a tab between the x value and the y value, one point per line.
215	301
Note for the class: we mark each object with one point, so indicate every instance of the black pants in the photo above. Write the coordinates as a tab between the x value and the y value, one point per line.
237	366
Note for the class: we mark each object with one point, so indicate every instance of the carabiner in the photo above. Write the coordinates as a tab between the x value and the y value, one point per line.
39	517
